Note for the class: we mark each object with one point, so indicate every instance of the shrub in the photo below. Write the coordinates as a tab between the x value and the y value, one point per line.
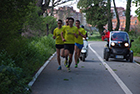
20	60
11	77
12	81
136	44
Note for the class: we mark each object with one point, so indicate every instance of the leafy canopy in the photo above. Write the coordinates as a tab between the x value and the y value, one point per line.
96	11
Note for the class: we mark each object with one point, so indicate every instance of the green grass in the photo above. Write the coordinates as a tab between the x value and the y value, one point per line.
95	36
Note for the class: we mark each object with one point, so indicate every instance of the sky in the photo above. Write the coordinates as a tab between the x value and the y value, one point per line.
119	3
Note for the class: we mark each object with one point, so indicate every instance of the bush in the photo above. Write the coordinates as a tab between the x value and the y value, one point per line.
136	44
12	81
20	60
11	77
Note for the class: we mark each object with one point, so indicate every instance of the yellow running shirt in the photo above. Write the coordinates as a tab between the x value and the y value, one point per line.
69	34
57	34
64	27
79	40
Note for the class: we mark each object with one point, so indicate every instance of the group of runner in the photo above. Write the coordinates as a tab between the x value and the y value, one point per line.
69	39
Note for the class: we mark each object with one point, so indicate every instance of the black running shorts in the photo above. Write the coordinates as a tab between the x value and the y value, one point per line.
69	47
59	46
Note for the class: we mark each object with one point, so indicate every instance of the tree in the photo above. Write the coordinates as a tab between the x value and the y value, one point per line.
96	12
137	3
128	6
13	15
109	15
117	16
45	4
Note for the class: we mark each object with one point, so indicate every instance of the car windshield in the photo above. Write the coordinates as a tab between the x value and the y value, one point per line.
119	37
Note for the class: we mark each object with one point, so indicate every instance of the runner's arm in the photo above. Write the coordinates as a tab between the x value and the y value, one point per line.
62	37
82	34
75	35
54	34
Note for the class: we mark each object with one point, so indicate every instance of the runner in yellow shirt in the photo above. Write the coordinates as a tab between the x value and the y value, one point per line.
59	44
79	42
67	24
70	32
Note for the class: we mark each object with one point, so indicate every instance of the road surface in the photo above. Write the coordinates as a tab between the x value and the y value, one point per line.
94	76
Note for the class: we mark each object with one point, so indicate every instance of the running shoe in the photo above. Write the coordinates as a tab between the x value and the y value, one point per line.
65	63
67	66
68	69
59	68
76	66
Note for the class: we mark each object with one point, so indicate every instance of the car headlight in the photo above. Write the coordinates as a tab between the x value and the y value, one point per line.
126	44
112	43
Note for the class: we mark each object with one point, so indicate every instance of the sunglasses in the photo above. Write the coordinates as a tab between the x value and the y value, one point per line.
58	23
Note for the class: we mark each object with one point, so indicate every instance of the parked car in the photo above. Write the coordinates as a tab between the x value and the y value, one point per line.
119	46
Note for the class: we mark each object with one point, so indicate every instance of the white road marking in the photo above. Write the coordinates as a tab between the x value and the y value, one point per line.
136	63
119	81
40	70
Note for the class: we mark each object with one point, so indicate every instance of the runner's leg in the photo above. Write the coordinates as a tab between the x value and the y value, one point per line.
66	52
58	58
78	53
70	59
75	55
62	52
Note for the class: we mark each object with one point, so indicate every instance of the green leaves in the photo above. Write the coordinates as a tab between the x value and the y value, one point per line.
96	11
25	58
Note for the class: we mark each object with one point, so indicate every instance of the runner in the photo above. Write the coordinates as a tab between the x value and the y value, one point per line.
67	24
59	44
79	42
70	32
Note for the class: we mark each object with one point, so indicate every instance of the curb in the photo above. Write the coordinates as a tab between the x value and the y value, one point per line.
137	59
39	71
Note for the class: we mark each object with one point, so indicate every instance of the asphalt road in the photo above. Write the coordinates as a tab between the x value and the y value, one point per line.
94	76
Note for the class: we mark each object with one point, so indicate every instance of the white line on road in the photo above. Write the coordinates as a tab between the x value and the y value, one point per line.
119	81
136	63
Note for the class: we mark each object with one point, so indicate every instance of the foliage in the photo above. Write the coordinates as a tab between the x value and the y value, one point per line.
18	65
13	14
95	36
21	57
136	44
11	77
138	13
96	12
52	23
33	25
12	81
137	3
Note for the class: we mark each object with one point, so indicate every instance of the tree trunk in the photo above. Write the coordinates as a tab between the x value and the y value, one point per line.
109	16
100	27
117	16
128	6
47	27
52	9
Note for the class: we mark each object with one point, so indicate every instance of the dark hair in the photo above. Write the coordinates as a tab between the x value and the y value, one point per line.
82	26
70	18
60	20
77	21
